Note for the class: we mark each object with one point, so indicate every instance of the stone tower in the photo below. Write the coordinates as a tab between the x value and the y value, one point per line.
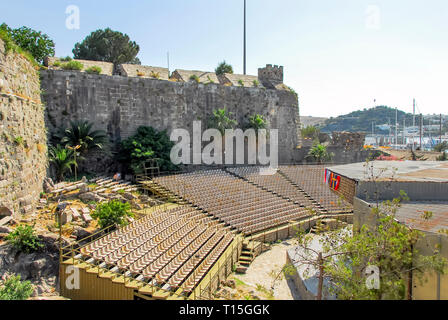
271	76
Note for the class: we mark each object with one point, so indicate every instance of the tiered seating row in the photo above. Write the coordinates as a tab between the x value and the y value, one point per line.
311	179
234	201
272	181
211	259
161	246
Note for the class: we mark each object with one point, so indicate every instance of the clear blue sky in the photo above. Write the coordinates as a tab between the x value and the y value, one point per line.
339	55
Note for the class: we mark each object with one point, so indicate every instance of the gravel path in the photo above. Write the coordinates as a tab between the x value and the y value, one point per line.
265	265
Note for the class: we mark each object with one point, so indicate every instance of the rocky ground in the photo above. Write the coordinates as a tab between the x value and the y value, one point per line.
42	267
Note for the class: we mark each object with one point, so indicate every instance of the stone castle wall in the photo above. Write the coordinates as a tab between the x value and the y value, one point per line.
119	105
23	140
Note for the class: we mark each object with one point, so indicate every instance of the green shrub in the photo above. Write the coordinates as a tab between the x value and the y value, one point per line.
18	140
441	147
293	92
145	145
11	46
24	239
443	157
319	154
155	75
32	44
256	83
195	78
210	80
57	64
112	213
66	59
15	289
241	83
73	65
94	70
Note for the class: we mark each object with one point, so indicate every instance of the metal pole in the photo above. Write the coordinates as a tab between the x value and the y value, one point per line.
404	136
440	128
413	116
421	132
244	37
396	127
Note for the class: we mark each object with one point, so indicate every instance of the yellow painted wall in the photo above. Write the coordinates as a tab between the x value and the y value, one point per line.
93	287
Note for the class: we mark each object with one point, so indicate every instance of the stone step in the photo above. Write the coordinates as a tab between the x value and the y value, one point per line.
240	269
246	258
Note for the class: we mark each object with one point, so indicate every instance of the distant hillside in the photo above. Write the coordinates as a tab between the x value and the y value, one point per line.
361	121
312	121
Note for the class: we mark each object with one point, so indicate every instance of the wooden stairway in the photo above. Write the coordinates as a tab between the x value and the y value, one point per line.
251	249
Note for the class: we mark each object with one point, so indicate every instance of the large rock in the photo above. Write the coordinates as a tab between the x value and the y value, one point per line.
136	205
144	198
90	196
129	196
51	242
4	229
48	185
84	188
230	283
41	268
80	233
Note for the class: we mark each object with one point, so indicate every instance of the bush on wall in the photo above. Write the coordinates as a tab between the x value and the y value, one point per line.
146	144
36	43
94	70
72	65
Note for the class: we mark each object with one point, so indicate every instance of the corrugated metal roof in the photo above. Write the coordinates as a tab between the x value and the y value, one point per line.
422	171
413	215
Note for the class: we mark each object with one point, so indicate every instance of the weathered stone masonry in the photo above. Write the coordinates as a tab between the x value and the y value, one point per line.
119	105
23	140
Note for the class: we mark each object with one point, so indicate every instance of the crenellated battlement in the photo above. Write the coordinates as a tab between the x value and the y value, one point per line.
271	76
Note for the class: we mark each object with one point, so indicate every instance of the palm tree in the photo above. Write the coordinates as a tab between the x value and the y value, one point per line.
319	153
62	159
221	121
80	133
257	122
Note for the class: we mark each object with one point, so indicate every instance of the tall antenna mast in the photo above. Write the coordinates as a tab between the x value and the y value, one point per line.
396	127
404	134
244	62
413	115
421	132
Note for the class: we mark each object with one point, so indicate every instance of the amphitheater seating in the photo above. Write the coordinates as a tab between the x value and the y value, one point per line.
243	206
311	179
272	181
163	247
